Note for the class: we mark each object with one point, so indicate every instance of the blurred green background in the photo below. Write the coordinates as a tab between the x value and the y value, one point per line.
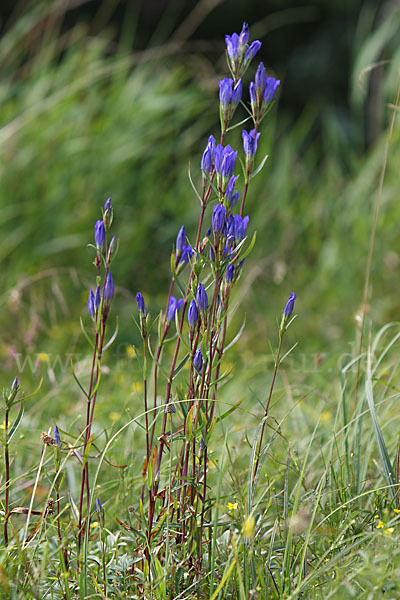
113	98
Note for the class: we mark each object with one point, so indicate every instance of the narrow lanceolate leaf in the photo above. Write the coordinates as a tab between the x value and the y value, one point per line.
256	172
383	453
87	450
16	423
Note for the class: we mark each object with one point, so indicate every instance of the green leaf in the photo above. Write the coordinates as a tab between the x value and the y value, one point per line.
383	453
85	333
16	423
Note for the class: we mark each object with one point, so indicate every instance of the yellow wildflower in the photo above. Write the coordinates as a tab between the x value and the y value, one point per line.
380	525
232	505
388	531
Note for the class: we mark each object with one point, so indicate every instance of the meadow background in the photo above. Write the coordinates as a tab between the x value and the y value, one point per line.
114	99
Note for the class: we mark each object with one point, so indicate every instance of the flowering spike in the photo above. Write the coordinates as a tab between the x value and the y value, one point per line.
239	52
262	92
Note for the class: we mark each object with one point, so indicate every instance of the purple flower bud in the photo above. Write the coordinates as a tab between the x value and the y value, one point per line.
201	297
207	160
260	78
244	35
225	91
171	309
108	289
99	234
99	508
218	219
140	304
97	298
289	306
180	242
252	50
250	143
198	361
107	205
57	436
240	227
91	307
230	273
193	314
231	196
179	304
112	247
253	95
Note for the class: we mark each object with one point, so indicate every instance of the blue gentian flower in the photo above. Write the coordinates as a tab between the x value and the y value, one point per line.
91	307
186	254
230	273
252	50
193	314
201	297
240	227
108	289
97	298
262	91
179	304
99	234
218	219
140	304
239	52
107	205
180	242
171	309
57	436
207	160
198	361
289	306
224	164
250	143
231	196
244	35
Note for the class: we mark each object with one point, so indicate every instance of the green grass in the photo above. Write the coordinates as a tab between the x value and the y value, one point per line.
83	118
